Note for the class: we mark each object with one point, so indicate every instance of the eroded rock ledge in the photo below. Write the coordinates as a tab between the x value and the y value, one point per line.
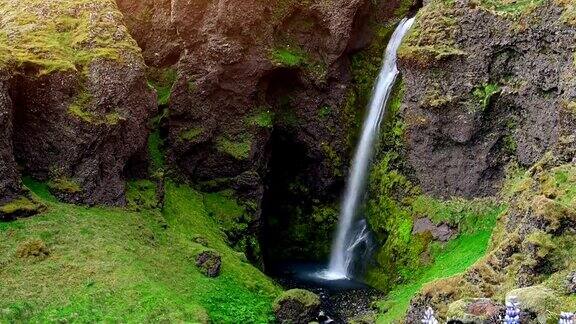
74	100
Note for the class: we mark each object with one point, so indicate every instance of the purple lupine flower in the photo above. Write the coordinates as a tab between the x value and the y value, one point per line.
512	311
566	318
429	317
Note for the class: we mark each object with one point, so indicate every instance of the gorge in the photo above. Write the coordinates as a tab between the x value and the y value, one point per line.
163	161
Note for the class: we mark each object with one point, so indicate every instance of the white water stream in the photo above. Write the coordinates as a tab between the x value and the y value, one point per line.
348	236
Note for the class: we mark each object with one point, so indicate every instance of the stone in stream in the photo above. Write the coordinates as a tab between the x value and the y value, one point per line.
297	306
209	262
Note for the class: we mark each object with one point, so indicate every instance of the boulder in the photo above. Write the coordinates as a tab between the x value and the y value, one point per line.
79	110
297	306
209	262
536	301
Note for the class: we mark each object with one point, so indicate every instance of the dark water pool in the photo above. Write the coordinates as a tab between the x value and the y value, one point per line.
341	299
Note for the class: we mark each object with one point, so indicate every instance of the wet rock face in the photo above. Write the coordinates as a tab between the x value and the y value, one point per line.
487	89
78	113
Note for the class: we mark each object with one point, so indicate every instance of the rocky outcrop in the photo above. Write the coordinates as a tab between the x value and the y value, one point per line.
488	84
296	306
80	102
531	251
260	93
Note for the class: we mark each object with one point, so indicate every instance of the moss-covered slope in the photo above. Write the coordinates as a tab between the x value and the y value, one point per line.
84	264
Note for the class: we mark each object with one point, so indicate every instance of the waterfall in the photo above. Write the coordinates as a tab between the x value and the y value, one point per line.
348	236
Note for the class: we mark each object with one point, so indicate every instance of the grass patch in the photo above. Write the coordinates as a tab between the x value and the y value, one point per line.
113	265
65	184
155	152
509	7
451	259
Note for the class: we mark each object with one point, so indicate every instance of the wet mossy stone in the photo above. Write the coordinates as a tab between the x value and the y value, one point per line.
209	262
296	306
475	310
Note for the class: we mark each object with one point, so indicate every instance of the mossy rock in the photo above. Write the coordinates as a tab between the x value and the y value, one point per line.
538	300
297	306
209	262
474	310
20	207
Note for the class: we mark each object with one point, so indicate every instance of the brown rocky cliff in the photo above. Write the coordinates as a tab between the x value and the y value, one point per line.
484	86
239	59
79	99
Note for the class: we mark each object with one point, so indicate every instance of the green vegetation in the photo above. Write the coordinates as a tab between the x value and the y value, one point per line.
485	93
240	150
59	35
432	38
83	264
162	81
191	134
21	205
232	218
304	297
141	195
406	261
509	7
157	159
65	185
78	108
324	112
289	56
453	258
263	118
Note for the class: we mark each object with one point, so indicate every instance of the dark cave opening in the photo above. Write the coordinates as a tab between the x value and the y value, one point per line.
299	210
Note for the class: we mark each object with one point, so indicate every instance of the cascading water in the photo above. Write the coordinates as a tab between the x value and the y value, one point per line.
349	236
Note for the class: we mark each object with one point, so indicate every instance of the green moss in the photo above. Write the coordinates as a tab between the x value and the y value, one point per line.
157	159
240	150
509	7
65	184
190	134
141	195
485	93
230	216
60	36
127	266
324	112
432	37
263	118
333	158
79	109
289	56
20	205
304	297
162	81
